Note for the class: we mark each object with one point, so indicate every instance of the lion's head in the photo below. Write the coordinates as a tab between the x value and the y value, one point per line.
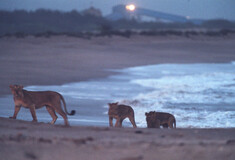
112	104
17	90
151	119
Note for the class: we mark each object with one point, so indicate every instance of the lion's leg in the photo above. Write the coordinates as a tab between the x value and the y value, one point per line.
174	122
110	121
157	124
33	113
170	122
61	112
117	122
165	125
52	113
120	122
17	109
132	119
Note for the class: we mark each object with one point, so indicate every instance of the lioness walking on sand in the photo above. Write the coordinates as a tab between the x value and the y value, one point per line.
120	112
37	99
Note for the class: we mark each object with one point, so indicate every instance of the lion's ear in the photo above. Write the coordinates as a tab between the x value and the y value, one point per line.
146	113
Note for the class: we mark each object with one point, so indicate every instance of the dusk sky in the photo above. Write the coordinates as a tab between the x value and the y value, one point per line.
205	9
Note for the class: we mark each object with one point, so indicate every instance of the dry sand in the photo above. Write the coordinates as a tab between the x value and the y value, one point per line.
27	140
59	60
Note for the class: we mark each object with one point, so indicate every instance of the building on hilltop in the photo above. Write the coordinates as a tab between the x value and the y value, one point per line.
129	12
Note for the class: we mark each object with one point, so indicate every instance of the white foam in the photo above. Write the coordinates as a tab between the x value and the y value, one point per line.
202	93
204	88
199	95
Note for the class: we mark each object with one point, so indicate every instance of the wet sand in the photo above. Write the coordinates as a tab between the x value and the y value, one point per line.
59	60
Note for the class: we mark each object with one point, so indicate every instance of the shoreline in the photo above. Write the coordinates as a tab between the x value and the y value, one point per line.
60	60
90	98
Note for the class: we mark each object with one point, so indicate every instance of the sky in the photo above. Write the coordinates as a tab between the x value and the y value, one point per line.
203	9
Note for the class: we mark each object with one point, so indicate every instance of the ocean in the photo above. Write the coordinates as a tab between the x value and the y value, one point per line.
198	95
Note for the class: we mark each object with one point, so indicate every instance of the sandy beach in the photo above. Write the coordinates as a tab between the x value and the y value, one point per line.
60	59
26	140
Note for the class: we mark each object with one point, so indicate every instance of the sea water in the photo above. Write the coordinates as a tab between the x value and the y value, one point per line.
198	95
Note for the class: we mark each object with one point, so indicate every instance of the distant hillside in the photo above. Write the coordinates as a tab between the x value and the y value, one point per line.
47	20
40	21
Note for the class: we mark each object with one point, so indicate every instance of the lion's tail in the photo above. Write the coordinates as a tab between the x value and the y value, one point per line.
72	112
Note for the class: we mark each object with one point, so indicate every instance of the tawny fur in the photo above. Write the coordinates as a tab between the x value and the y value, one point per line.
157	119
120	112
37	99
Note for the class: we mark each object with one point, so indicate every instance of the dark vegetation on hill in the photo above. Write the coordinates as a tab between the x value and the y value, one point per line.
46	23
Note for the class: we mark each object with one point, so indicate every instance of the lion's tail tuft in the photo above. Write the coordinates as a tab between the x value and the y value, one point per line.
72	112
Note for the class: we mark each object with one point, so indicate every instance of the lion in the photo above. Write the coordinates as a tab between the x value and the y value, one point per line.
157	119
120	112
37	99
